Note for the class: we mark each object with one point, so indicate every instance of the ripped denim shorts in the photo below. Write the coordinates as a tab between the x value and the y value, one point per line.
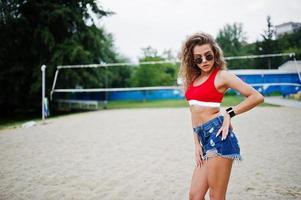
215	146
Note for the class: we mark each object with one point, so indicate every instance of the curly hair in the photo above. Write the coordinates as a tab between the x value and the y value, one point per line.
188	69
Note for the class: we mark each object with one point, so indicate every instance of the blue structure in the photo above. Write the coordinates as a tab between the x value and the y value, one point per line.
147	94
271	81
138	95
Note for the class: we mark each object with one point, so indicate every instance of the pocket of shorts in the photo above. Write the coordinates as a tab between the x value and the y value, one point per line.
208	133
209	130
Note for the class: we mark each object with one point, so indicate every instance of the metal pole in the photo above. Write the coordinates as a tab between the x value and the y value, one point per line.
296	65
54	82
43	68
106	92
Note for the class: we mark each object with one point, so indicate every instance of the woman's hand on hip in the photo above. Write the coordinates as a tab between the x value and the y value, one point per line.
225	126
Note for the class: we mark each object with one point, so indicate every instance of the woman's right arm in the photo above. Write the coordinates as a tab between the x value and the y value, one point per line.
198	150
196	139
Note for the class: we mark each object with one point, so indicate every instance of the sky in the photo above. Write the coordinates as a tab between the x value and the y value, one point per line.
165	24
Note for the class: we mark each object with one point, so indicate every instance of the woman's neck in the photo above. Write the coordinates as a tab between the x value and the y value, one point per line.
205	74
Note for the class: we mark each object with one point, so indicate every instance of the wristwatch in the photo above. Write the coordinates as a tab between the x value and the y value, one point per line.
231	112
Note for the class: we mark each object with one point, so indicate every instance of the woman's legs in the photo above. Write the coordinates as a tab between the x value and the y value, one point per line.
219	170
199	182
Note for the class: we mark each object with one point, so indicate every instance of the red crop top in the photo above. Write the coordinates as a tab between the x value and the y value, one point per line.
204	94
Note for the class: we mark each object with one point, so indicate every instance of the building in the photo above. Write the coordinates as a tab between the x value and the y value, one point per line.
289	27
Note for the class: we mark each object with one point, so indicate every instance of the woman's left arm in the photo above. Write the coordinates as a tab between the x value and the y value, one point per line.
254	98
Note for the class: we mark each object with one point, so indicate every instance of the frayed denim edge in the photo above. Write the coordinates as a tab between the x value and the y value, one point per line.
236	157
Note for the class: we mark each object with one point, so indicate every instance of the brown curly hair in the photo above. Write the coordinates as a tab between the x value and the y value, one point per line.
188	69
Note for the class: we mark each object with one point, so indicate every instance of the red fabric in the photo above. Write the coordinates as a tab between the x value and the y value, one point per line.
206	91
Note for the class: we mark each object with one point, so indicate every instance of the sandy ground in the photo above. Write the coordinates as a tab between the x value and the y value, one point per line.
146	154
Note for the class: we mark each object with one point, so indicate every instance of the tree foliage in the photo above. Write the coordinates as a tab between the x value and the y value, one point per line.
51	32
232	40
154	74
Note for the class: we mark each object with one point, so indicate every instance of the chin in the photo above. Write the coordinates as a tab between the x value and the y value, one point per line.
206	69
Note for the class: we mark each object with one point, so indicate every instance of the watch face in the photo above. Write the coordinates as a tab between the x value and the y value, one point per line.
232	113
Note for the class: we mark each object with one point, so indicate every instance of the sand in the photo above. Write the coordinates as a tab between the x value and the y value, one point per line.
146	154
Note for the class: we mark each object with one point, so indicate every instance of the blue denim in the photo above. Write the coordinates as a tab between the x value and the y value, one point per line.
212	145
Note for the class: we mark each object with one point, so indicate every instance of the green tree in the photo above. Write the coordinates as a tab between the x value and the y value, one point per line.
51	32
232	40
268	46
291	43
154	74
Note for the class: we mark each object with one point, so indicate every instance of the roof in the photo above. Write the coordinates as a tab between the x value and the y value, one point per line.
291	65
287	23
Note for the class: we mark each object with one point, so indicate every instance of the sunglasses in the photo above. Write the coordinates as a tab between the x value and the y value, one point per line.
199	60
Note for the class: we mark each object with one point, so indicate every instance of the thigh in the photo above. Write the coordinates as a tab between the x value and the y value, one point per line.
219	170
199	181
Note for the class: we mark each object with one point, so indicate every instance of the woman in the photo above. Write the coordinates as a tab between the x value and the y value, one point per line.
205	80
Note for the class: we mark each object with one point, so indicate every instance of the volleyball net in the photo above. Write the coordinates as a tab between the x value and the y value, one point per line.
86	86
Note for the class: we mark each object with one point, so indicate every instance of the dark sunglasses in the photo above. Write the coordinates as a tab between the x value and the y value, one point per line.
199	60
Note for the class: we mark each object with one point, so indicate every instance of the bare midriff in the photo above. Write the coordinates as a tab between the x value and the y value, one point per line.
201	114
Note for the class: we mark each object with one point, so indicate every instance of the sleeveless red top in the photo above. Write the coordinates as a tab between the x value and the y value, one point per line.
205	94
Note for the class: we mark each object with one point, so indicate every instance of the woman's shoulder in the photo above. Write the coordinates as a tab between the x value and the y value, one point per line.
225	76
225	73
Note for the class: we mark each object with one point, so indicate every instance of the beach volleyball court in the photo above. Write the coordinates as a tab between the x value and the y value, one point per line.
146	154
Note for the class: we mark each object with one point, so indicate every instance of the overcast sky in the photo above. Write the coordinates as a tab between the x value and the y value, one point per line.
164	24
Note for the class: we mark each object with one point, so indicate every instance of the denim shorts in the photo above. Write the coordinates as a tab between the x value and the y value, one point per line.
215	146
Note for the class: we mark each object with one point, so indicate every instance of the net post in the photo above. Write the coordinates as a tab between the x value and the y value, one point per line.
105	65
293	55
43	69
